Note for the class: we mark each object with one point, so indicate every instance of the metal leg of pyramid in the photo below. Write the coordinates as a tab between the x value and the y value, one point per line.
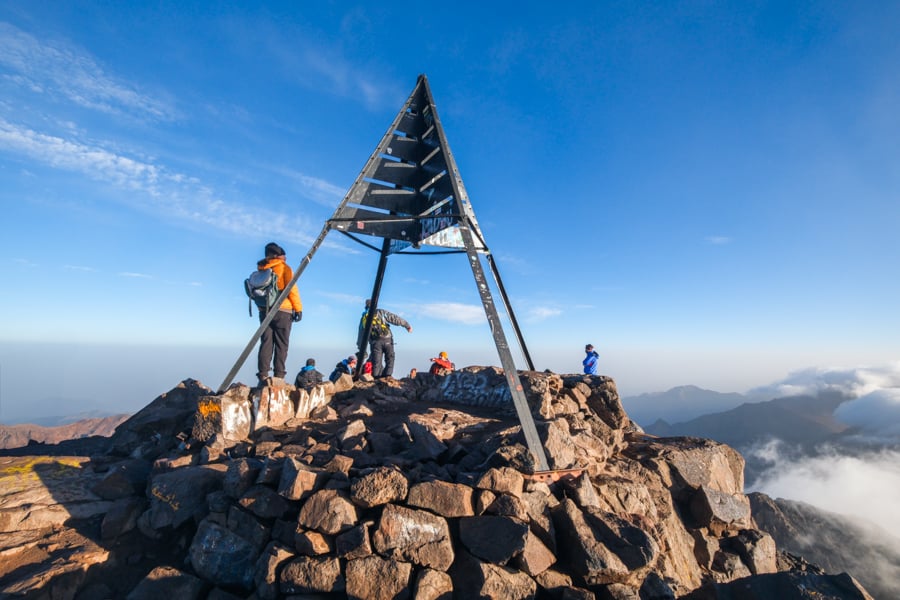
509	311
506	359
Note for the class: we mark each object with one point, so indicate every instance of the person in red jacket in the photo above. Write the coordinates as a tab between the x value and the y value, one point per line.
277	335
442	365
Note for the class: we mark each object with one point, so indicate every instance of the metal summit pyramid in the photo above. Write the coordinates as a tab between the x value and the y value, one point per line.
410	194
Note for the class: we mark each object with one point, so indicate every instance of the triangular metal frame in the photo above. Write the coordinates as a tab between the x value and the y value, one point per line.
410	194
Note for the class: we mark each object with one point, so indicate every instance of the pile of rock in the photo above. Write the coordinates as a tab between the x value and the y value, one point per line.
422	488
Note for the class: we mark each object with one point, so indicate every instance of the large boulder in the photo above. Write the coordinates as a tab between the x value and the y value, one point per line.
153	429
223	557
415	536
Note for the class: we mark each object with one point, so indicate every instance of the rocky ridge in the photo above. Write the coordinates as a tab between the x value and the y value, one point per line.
16	436
416	488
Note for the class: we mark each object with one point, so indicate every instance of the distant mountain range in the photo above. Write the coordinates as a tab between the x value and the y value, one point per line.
17	436
679	404
801	422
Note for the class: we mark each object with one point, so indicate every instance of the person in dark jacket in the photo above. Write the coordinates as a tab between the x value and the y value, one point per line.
308	377
348	365
590	361
381	340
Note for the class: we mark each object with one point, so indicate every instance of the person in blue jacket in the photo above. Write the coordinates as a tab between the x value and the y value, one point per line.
590	361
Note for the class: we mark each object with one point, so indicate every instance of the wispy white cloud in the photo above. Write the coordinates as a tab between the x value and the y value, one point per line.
56	68
344	298
863	485
79	268
542	313
317	63
717	240
467	314
134	275
874	392
854	382
313	188
152	187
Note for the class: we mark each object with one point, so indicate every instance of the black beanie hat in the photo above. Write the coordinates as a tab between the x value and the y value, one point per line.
273	249
310	362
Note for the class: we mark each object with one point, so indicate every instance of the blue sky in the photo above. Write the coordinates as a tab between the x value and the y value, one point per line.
707	192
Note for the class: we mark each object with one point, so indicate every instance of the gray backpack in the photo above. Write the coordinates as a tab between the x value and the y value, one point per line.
261	288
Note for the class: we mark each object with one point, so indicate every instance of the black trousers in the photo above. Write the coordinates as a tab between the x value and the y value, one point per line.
382	347
275	338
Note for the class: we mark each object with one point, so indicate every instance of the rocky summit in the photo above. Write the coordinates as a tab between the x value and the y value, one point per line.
417	488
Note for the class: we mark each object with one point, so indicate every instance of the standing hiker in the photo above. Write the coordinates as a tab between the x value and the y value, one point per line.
381	340
277	335
590	361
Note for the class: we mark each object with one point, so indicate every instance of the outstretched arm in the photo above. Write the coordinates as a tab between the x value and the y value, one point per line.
393	319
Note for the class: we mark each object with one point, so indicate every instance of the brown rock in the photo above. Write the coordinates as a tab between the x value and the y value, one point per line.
729	567
502	480
354	543
306	574
604	401
377	578
433	585
248	527
502	582
507	505
240	475
491	538
329	512
381	486
557	441
299	480
311	543
267	569
536	557
223	557
414	535
443	498
180	495
121	517
581	550
339	464
167	582
485	499
756	549
720	511
127	478
263	502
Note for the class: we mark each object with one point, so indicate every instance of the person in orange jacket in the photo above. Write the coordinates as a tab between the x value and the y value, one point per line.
442	365
277	335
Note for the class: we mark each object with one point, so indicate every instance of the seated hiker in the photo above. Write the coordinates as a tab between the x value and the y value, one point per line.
442	365
308	377
348	366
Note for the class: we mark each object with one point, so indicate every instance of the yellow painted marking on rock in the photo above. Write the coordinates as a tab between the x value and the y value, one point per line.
167	498
207	408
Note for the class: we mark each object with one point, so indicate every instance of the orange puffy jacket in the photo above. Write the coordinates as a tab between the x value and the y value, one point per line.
285	274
